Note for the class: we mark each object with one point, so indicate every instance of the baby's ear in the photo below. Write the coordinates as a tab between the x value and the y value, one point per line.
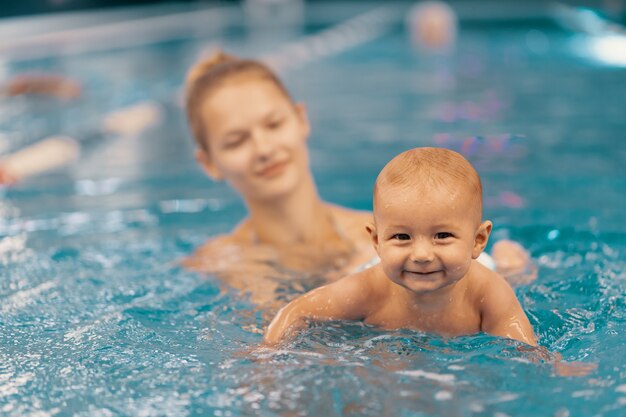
204	160
481	238
371	229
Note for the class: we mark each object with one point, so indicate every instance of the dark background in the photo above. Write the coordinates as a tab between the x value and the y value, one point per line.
10	8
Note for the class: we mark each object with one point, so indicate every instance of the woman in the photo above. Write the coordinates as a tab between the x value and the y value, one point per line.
249	132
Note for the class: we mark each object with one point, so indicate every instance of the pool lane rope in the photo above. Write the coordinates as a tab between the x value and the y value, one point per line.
57	151
339	38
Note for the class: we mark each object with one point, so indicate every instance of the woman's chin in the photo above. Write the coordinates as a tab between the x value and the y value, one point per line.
276	188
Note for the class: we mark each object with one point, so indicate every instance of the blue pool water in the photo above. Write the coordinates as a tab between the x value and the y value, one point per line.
98	319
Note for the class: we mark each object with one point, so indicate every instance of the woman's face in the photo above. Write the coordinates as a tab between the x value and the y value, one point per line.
256	138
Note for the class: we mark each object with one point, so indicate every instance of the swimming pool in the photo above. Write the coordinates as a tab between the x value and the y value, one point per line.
97	318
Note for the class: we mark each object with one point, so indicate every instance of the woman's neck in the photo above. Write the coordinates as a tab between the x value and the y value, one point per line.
297	218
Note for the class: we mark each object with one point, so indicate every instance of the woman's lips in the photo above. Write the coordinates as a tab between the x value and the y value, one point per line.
273	170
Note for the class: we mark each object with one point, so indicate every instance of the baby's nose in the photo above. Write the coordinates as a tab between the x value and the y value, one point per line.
422	252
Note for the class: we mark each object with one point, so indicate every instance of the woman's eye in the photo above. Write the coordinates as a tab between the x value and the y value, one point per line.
401	236
275	124
235	141
443	235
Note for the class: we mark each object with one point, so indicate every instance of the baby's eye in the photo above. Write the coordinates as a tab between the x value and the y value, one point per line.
443	235
401	236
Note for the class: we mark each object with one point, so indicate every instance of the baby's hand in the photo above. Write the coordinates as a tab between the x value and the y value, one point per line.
574	368
561	368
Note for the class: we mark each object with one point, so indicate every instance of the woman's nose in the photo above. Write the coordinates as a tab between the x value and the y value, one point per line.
263	143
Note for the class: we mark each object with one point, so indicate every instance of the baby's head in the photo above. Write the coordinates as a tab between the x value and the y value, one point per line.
424	171
427	219
213	72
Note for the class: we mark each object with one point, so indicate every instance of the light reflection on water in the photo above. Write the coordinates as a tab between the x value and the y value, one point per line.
110	325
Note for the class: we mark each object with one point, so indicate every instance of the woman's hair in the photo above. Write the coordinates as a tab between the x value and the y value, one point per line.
212	72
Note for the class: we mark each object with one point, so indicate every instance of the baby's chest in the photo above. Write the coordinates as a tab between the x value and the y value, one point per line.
448	323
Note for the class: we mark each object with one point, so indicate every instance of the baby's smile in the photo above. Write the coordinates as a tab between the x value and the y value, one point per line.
422	273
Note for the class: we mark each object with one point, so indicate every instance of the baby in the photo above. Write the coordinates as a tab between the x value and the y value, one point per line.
428	231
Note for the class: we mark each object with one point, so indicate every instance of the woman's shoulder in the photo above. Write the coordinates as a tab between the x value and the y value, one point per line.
204	257
351	219
219	249
350	213
218	242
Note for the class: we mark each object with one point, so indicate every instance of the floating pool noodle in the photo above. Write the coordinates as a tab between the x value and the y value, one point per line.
48	154
132	120
43	84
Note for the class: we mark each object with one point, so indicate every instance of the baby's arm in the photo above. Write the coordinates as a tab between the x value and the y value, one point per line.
346	299
502	314
505	317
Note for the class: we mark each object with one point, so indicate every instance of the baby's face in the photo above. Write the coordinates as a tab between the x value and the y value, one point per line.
426	240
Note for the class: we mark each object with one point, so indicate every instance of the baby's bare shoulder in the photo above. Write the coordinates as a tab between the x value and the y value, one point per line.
500	311
371	283
488	289
484	280
361	292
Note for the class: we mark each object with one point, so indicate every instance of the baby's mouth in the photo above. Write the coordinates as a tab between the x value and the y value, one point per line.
421	273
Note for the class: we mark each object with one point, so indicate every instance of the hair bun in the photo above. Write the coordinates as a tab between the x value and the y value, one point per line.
215	58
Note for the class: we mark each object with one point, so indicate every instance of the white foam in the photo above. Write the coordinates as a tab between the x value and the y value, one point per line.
77	334
418	373
11	387
12	244
443	395
22	298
